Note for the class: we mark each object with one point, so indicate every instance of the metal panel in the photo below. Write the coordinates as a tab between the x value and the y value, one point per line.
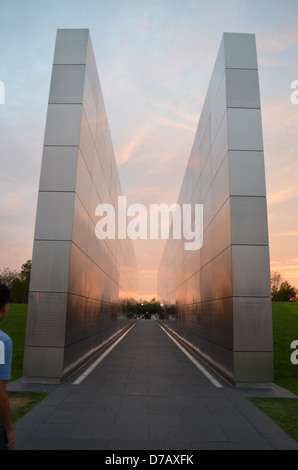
220	145
220	186
249	221
63	124
205	116
251	276
219	107
252	324
41	359
253	368
90	107
244	129
67	84
242	88
221	229
247	174
206	176
240	51
86	142
217	73
59	169
83	183
207	248
222	332
74	328
207	209
50	263
205	143
207	282
222	275
71	46
77	271
46	319
94	79
82	233
54	216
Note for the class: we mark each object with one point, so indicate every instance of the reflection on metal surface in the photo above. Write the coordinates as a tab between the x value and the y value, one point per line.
77	282
204	371
222	292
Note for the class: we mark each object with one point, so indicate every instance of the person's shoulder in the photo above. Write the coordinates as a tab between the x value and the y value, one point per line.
4	337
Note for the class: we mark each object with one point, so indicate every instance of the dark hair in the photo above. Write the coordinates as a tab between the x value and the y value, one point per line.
4	295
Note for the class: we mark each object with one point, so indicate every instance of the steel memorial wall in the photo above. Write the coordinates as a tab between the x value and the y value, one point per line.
222	291
78	281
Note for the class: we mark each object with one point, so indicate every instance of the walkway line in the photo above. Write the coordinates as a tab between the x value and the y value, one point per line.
88	371
194	361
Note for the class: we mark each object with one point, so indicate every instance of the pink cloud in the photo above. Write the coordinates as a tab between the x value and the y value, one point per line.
129	148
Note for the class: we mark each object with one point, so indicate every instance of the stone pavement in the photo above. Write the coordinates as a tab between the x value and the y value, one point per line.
146	395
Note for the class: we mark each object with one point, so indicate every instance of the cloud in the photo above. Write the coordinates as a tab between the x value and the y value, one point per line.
289	272
174	110
174	124
285	234
14	204
282	195
128	149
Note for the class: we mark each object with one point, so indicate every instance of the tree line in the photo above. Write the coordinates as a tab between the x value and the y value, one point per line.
19	281
282	291
143	308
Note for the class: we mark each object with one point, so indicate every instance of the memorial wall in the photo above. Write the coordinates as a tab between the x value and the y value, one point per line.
221	292
78	281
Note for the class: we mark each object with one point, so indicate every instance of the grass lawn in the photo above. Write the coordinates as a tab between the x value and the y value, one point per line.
283	411
22	402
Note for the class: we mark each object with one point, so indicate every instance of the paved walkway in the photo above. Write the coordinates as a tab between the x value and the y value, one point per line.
147	395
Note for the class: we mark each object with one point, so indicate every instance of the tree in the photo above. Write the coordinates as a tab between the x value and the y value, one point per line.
7	277
286	293
18	282
142	308
282	291
276	280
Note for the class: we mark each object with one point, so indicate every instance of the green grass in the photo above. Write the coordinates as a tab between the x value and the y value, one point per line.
31	398
283	411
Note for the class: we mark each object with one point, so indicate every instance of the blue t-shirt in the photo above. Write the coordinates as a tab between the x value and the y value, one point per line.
5	356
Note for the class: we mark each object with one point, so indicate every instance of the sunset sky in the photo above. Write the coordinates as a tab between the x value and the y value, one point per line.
155	59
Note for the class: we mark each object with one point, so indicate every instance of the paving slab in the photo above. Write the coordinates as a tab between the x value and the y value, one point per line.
146	395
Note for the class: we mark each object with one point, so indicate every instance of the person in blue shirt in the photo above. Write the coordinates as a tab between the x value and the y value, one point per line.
7	439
